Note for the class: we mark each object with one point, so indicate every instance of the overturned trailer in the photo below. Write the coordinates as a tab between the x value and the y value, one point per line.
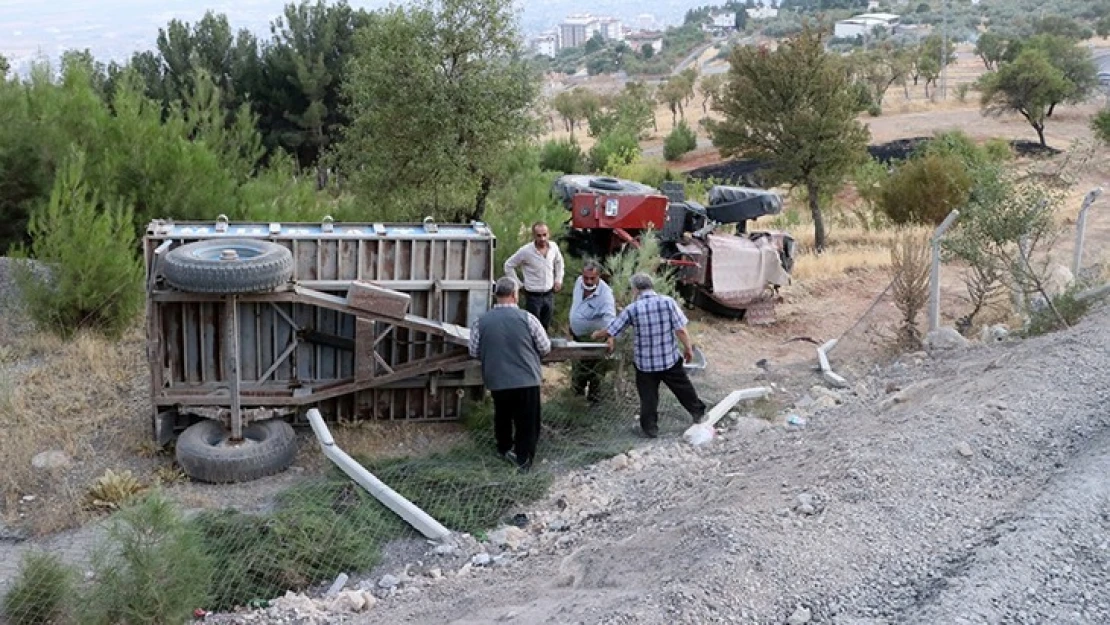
250	325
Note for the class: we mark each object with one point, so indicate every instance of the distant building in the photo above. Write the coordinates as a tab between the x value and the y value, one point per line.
646	21
610	28
723	20
762	13
864	24
637	40
546	44
576	30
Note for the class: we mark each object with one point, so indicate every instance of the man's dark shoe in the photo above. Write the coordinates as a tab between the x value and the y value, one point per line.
699	419
524	467
508	456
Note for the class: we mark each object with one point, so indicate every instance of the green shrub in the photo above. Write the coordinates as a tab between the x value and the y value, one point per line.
680	141
1100	124
563	155
998	150
153	568
875	110
650	172
1044	320
93	276
615	148
924	190
39	594
962	90
318	530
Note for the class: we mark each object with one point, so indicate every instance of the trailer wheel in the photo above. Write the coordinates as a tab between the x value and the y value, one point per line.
206	453
228	266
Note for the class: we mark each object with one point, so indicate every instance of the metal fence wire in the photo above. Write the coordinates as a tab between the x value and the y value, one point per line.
170	550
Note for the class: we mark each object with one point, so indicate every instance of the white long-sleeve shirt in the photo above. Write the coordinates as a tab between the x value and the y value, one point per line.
541	271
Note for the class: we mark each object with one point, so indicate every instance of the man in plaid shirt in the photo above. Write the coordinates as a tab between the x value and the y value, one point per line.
656	321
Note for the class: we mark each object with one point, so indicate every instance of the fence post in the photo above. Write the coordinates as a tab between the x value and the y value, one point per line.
1081	228
934	271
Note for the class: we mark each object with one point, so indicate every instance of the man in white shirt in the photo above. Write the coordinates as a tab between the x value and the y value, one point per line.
542	264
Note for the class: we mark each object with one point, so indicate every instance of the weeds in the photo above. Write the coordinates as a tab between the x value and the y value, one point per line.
1065	311
909	264
112	490
152	569
41	592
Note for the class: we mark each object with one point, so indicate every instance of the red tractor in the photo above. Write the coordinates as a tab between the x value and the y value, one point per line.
734	274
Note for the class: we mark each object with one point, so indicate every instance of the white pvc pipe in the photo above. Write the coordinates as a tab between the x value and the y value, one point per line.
934	270
826	370
404	508
1081	229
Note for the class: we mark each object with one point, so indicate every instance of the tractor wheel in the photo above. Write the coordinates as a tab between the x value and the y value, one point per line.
228	266
207	454
712	306
606	184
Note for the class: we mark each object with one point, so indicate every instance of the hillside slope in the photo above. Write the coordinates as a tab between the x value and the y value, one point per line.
965	486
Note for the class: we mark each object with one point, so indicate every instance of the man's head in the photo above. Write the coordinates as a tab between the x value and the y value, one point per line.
505	290
641	282
591	275
540	234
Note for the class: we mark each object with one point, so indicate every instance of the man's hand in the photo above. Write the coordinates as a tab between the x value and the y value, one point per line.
558	287
600	334
688	354
610	345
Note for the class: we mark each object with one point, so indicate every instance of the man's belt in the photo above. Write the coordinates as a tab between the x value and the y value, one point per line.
539	293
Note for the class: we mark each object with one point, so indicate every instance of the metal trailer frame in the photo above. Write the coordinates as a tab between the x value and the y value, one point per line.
338	337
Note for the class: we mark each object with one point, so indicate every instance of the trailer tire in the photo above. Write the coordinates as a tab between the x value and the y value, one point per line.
205	452
257	266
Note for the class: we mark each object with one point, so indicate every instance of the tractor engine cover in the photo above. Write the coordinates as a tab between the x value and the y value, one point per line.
630	212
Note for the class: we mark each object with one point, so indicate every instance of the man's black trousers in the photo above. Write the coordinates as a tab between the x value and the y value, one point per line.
542	305
517	409
676	379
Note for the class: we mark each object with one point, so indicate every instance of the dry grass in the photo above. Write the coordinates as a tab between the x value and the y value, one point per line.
79	397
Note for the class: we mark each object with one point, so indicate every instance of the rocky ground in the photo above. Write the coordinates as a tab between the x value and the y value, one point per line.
962	485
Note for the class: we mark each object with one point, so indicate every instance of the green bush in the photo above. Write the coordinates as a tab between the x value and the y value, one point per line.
962	90
93	276
924	190
614	148
39	594
563	155
680	141
1045	320
650	172
998	150
153	568
1100	124
317	530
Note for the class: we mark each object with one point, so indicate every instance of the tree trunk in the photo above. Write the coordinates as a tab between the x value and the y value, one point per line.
1051	107
480	199
1040	134
818	219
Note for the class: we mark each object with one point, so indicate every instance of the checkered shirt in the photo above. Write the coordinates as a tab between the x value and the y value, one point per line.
655	318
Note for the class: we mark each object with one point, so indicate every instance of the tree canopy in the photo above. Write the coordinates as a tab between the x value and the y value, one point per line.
793	109
437	91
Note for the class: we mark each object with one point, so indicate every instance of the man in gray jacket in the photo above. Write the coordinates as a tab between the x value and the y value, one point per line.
593	308
510	343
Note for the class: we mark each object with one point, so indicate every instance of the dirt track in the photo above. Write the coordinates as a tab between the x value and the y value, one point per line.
975	494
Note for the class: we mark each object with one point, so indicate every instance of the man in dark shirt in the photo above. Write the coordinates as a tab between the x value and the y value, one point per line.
510	343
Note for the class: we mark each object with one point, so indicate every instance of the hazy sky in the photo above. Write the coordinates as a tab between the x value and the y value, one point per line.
113	29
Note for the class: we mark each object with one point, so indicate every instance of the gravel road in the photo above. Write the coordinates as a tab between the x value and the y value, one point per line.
965	486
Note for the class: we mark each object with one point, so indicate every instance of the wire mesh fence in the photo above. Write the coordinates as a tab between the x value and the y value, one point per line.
157	558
